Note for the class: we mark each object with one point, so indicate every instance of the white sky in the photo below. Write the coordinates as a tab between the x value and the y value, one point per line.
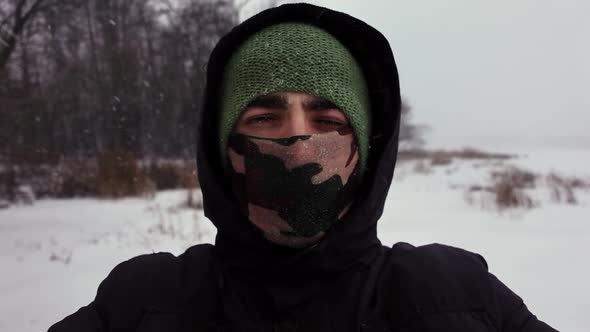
481	72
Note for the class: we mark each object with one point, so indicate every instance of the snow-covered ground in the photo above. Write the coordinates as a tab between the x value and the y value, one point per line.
55	253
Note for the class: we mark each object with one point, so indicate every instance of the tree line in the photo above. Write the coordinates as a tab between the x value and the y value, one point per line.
81	78
95	93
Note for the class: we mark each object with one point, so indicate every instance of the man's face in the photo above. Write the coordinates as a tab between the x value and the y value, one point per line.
294	163
286	114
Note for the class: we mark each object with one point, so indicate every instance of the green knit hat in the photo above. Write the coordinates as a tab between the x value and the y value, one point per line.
301	58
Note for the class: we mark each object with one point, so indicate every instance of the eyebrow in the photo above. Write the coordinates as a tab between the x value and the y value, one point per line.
270	101
319	104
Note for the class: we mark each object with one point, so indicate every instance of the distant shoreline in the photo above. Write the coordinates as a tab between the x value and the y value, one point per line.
507	143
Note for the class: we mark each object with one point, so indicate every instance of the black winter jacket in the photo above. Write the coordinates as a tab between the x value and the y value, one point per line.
346	282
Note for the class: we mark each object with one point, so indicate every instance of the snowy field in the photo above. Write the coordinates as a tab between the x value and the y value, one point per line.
55	253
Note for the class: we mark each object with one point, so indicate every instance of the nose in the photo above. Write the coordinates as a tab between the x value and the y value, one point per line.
295	122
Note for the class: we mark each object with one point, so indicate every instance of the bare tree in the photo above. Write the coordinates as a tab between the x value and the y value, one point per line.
88	77
16	14
410	135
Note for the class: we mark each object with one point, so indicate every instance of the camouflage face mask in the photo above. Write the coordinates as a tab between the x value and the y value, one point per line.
294	189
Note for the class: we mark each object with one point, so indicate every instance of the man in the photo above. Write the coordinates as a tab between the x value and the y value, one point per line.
297	145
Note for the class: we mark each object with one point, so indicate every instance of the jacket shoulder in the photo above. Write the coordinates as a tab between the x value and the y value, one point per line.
150	288
153	283
442	260
152	278
436	280
438	277
131	279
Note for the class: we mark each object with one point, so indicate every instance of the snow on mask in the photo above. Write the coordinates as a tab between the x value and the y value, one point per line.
294	189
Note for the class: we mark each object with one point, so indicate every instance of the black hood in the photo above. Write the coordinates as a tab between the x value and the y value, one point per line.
352	242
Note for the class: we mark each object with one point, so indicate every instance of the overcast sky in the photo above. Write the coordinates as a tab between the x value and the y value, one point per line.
489	71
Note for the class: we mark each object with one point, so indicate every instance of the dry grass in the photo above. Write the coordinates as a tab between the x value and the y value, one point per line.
440	159
122	175
70	177
469	153
111	175
446	157
563	189
422	167
119	176
509	195
74	178
477	188
516	177
8	183
508	190
172	175
466	153
191	202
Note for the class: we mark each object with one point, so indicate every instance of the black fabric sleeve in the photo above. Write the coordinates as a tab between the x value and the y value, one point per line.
143	281
85	319
516	317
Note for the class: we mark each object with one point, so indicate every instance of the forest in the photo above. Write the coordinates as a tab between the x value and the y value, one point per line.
81	78
99	97
90	83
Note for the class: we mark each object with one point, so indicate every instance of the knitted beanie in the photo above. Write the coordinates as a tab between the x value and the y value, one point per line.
300	58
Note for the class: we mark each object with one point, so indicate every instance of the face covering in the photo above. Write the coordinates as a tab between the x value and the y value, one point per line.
294	189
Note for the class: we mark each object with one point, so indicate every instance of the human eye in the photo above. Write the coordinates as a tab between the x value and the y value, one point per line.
329	122
260	119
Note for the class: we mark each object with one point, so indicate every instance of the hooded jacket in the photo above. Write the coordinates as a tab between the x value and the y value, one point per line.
348	281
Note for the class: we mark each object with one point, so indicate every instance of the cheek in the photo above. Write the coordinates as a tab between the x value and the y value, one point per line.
242	128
